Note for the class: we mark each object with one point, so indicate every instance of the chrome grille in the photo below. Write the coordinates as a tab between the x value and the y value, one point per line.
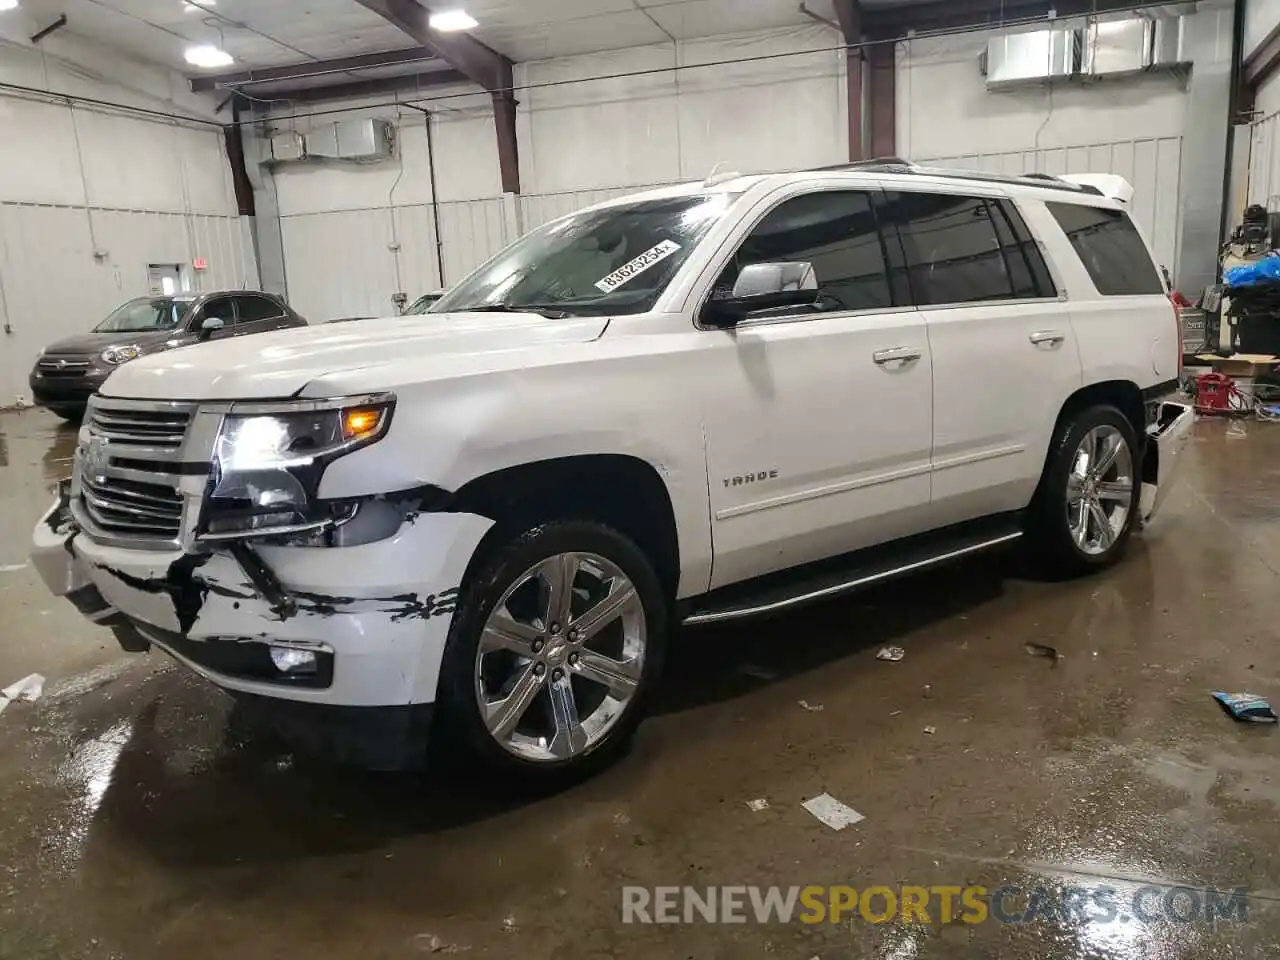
62	367
153	428
128	471
131	507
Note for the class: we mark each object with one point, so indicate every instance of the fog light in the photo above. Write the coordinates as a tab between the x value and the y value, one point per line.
291	661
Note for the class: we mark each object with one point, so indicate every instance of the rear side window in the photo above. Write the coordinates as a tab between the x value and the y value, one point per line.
1027	271
258	308
1110	248
833	230
953	253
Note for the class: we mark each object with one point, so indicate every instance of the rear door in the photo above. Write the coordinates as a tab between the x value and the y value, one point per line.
257	314
1004	353
1126	326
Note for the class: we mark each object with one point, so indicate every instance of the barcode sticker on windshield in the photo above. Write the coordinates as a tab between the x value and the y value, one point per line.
637	266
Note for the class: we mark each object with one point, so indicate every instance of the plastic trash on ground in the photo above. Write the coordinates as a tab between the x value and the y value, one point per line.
1248	707
891	653
832	812
28	688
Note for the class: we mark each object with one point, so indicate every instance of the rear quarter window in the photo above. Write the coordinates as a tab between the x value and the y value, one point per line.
1111	249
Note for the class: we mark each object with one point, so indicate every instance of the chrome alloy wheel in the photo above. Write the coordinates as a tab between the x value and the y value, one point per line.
1100	489
560	657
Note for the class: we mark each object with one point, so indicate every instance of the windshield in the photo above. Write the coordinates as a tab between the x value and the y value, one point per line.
612	261
422	304
146	313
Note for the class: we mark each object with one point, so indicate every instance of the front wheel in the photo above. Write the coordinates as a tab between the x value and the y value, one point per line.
1087	504
559	635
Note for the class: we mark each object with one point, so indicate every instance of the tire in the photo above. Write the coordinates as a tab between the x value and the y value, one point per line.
507	648
1055	517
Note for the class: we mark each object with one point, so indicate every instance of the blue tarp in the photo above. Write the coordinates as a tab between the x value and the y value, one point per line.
1264	271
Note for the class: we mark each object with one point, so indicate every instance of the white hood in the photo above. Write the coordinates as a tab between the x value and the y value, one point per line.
280	364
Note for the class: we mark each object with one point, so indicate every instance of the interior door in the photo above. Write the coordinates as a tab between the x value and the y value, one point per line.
1004	352
818	419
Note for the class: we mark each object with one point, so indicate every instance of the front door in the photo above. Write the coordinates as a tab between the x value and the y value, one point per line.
818	419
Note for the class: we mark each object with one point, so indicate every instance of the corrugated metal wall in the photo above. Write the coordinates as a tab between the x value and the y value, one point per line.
343	264
537	209
1264	163
1153	166
52	286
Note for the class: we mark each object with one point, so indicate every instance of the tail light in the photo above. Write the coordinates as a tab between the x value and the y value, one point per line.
1174	299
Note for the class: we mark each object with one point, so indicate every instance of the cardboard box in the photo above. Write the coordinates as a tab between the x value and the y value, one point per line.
1240	364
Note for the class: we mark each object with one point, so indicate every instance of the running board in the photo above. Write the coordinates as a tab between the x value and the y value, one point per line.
833	578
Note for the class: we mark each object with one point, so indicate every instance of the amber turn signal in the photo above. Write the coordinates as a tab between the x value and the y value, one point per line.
361	421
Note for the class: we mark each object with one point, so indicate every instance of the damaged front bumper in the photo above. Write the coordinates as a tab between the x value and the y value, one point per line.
1167	436
373	617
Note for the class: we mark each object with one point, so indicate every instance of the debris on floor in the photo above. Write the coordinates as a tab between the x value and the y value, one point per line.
1237	431
1246	706
928	691
755	806
509	925
832	812
28	688
811	707
12	567
891	653
1042	650
930	730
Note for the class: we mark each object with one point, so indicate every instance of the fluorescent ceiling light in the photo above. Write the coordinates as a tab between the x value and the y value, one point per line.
447	21
13	5
208	55
199	7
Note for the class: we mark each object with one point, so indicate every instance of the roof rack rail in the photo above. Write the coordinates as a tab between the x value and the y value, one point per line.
897	165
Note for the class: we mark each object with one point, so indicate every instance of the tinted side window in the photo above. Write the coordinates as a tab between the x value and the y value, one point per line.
1110	248
952	252
258	308
220	308
1022	256
836	232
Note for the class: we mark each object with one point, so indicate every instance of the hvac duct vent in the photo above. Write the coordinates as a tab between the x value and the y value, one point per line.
1021	58
1117	48
355	141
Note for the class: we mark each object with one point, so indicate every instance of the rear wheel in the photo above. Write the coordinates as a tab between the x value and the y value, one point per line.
558	637
1087	505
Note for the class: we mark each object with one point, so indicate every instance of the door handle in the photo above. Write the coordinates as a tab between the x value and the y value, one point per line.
905	354
1053	337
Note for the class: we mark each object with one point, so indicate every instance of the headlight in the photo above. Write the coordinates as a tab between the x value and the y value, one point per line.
116	355
269	458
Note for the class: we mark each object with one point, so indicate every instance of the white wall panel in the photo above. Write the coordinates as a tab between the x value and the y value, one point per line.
1260	18
1153	166
944	108
771	101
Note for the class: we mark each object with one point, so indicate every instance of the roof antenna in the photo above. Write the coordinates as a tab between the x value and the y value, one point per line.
715	176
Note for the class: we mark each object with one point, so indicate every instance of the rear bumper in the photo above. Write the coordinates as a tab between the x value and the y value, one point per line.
1167	438
375	616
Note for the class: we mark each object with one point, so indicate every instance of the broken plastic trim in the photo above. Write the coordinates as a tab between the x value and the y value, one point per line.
263	579
287	530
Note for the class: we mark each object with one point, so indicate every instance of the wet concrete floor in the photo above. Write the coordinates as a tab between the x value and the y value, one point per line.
140	817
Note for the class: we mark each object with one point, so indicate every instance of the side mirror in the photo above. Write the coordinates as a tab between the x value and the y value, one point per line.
210	325
765	286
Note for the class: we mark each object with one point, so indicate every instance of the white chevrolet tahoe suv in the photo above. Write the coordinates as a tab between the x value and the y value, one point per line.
700	403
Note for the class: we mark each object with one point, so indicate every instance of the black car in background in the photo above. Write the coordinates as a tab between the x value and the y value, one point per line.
70	371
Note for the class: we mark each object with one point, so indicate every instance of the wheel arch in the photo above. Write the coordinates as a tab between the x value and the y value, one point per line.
620	490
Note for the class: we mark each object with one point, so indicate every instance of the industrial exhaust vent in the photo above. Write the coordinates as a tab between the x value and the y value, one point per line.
350	141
